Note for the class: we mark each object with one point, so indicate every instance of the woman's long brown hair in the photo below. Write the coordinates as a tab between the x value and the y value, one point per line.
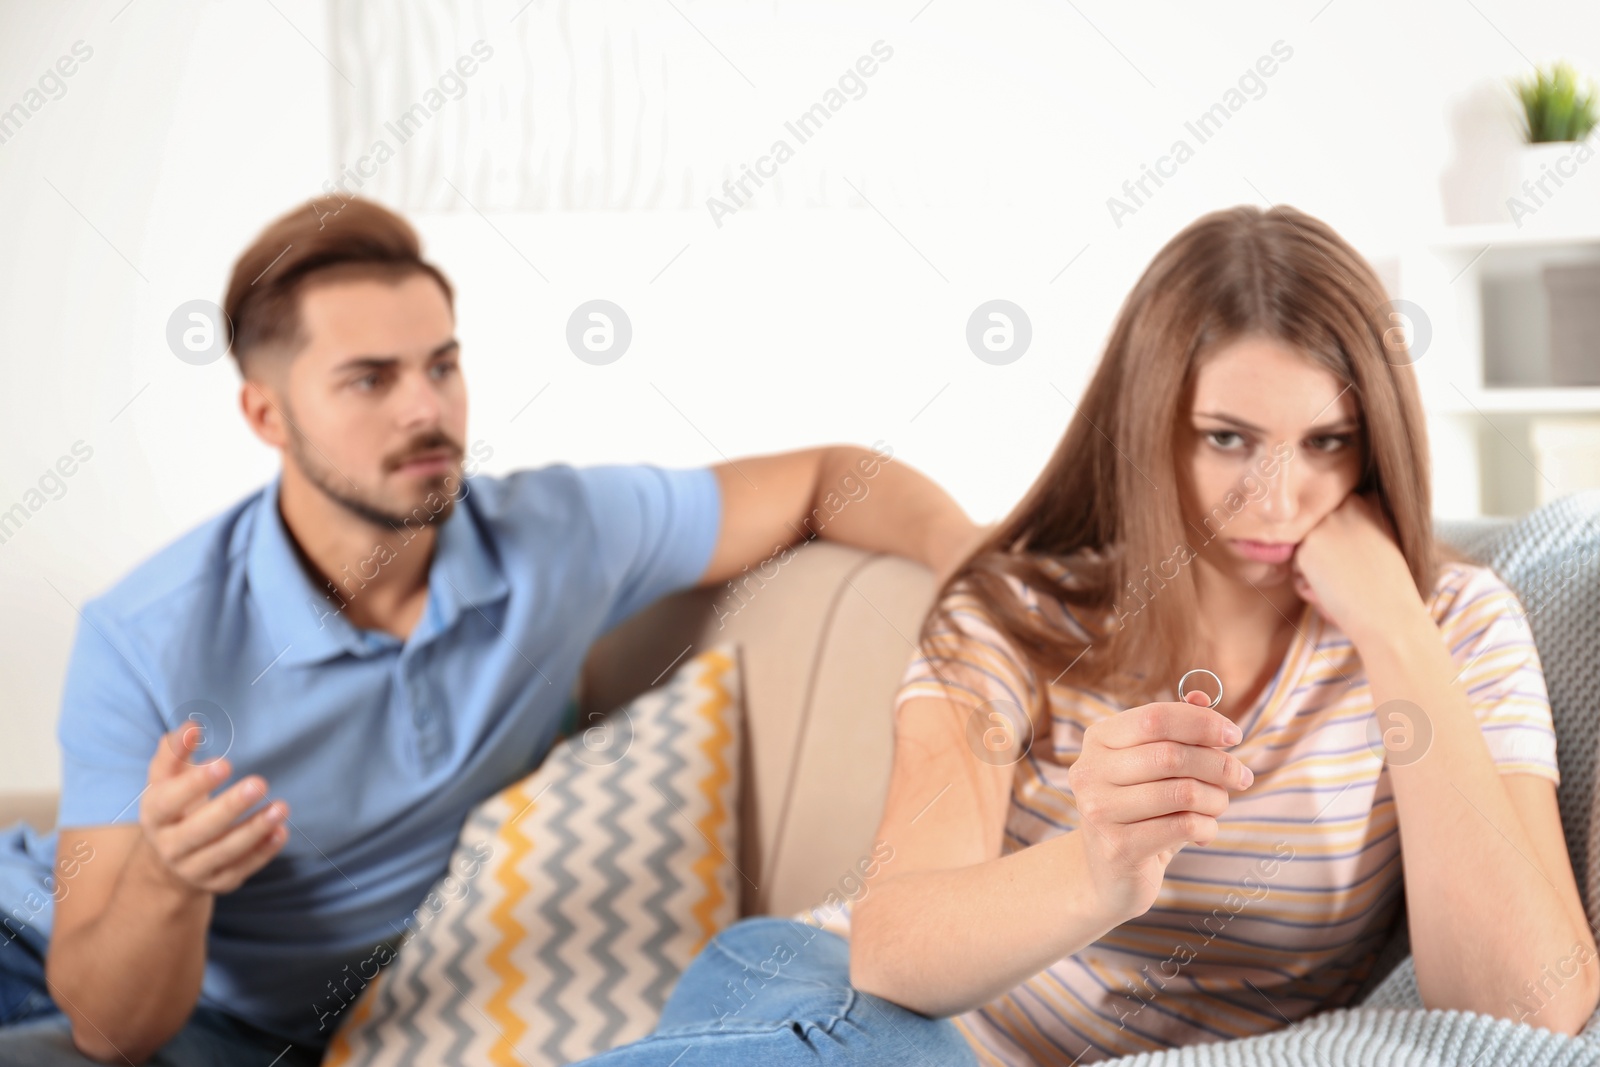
1106	506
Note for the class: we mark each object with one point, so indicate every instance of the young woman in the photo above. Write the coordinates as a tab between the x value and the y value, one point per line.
1087	863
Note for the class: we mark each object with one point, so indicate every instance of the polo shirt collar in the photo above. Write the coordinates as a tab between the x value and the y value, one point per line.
466	570
304	622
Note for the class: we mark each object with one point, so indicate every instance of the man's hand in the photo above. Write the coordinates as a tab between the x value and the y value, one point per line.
127	954
201	841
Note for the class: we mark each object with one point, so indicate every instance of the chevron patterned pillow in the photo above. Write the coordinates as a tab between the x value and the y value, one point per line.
575	897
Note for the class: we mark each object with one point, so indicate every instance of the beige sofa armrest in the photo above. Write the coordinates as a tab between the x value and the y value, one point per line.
824	640
36	809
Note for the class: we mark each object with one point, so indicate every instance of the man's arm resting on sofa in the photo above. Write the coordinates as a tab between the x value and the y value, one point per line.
128	948
844	493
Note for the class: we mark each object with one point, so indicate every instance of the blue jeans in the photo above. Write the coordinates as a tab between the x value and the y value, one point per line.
22	989
776	992
34	1032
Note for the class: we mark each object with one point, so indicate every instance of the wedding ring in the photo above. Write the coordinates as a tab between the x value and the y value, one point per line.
1201	670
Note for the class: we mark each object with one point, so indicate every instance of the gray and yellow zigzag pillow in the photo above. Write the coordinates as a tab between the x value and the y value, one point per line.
575	897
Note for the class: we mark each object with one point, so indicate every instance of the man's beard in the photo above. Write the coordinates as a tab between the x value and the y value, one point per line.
339	489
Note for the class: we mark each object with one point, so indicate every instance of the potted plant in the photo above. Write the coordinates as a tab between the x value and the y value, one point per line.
1557	116
1553	107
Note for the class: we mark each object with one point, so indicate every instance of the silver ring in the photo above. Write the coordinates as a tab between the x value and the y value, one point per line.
1201	670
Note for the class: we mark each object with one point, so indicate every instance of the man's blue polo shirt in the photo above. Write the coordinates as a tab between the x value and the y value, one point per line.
380	746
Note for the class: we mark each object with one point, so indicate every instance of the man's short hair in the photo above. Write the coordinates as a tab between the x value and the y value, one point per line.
330	238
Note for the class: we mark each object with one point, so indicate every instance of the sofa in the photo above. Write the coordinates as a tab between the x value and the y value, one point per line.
824	641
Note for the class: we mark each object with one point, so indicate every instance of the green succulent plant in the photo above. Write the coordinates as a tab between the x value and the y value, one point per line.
1554	107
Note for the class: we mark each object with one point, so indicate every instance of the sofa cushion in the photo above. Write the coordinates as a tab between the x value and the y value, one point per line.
575	897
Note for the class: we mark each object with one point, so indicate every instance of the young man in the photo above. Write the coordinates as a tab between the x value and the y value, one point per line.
372	644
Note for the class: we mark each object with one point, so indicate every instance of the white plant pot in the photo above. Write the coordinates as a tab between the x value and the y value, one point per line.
1556	183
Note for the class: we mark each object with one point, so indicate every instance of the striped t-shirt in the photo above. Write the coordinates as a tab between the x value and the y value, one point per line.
1284	912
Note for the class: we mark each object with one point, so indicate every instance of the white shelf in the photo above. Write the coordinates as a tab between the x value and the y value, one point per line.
1480	287
1470	239
1569	400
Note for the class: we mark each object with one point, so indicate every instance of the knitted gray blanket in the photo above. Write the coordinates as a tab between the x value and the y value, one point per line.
1361	1037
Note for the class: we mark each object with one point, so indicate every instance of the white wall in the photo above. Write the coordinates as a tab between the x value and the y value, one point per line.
990	145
